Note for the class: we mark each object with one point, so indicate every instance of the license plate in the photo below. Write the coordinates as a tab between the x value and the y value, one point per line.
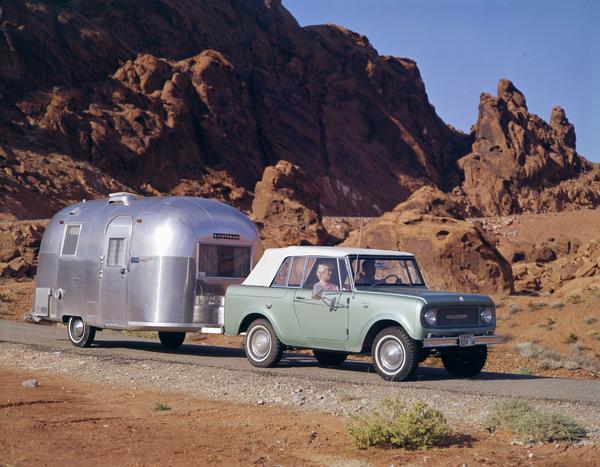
466	341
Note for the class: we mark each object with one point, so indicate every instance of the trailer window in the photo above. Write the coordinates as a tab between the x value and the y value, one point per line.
224	261
116	252
69	246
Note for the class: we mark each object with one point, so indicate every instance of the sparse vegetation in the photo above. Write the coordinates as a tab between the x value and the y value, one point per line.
347	397
548	325
533	425
571	338
413	426
161	407
535	306
590	320
4	297
574	299
550	360
557	305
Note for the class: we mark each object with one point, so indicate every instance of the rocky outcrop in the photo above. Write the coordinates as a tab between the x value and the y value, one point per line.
19	246
286	207
521	163
454	254
160	95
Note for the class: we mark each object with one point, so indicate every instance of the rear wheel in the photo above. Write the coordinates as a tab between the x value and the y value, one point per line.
465	363
395	354
171	340
330	358
263	347
80	333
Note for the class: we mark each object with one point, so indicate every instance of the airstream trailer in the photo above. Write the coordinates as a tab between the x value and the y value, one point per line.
131	263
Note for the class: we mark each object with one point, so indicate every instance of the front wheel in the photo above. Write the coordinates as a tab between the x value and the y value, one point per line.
395	354
330	358
465	363
171	340
263	347
80	333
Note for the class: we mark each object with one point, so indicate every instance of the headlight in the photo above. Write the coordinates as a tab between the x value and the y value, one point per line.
487	315
430	317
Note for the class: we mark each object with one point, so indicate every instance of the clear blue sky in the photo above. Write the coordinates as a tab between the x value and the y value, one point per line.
550	49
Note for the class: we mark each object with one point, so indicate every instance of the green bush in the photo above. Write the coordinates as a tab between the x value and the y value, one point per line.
161	407
532	425
399	425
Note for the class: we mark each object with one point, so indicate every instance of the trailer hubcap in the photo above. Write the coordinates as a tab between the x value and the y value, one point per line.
391	355
261	343
78	328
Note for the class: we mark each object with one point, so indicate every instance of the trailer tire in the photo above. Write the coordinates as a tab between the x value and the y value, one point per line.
80	333
263	348
330	358
171	340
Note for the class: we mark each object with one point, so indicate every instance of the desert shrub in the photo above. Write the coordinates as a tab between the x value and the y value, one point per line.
532	425
4	297
557	305
574	299
347	397
589	320
400	425
535	306
523	371
161	407
551	360
571	338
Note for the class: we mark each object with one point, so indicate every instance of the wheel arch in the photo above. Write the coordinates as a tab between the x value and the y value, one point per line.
375	329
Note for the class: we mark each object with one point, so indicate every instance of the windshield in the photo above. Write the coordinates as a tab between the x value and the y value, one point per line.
374	271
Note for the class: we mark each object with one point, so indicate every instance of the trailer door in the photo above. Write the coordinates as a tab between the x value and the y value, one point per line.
114	270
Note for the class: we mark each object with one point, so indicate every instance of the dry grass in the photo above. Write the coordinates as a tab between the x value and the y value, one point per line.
550	359
532	425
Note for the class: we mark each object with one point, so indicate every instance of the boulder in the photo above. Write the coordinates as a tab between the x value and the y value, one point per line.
286	207
454	254
19	246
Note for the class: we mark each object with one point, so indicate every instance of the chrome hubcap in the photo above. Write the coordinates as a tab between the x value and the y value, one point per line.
391	355
261	343
78	328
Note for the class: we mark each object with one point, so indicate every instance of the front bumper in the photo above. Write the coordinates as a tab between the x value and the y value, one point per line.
462	341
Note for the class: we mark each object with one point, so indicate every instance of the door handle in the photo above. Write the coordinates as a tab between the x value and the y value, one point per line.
300	298
122	270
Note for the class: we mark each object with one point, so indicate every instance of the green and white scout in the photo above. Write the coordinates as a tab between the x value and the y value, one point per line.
338	301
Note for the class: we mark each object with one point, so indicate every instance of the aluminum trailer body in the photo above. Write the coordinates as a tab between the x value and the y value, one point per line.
129	263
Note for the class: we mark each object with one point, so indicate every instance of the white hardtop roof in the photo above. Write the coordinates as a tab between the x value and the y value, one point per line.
265	270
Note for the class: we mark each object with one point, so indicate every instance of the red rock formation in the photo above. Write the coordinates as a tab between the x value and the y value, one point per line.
158	93
19	245
454	254
286	207
520	163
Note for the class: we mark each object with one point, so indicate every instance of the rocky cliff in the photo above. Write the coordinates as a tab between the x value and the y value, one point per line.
169	96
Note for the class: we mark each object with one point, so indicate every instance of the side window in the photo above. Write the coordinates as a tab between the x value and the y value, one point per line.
224	261
282	275
296	271
344	276
69	246
116	252
322	269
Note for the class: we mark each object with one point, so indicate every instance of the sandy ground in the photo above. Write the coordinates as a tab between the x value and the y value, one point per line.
67	421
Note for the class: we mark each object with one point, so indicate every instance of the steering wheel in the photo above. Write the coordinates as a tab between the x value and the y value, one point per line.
398	280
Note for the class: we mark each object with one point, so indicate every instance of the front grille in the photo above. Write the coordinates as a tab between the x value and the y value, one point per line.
452	317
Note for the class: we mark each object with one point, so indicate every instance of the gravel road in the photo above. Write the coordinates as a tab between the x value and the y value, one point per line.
220	373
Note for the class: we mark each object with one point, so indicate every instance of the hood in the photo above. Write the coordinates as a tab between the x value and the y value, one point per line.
434	297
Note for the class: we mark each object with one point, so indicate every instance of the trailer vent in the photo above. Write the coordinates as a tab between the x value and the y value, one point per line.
122	198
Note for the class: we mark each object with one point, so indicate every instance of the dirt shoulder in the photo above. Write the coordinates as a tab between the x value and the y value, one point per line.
65	420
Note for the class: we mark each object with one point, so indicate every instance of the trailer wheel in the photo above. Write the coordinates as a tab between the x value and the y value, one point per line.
263	347
330	358
171	340
80	333
395	354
